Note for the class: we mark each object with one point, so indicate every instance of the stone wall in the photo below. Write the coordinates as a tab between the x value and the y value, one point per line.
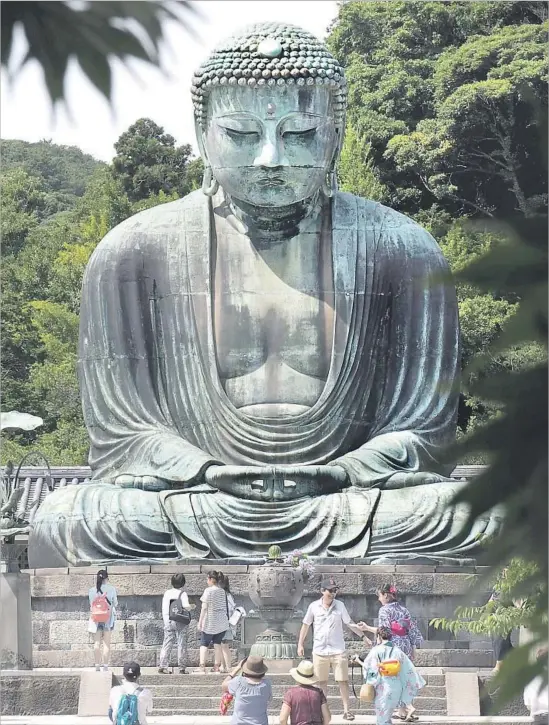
60	609
26	694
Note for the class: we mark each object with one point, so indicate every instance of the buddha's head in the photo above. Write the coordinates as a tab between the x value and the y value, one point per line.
270	112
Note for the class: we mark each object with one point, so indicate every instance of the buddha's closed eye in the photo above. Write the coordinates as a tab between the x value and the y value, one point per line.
238	133
299	134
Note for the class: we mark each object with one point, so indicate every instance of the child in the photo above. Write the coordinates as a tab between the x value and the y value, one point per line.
129	695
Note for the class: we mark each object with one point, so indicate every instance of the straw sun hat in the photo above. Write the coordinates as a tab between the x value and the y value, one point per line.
304	673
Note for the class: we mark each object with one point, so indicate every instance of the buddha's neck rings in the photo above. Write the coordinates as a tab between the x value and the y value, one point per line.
270	54
269	224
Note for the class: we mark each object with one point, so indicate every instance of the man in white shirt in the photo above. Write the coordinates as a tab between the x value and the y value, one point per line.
328	616
130	686
174	631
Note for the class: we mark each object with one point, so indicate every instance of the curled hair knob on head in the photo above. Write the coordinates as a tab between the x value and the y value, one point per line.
214	576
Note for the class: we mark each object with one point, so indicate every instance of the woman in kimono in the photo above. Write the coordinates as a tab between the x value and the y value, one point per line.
398	620
395	691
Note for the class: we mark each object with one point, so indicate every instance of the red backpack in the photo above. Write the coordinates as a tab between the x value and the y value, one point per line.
100	609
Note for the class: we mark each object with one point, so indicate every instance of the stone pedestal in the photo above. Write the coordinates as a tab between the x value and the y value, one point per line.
276	589
16	630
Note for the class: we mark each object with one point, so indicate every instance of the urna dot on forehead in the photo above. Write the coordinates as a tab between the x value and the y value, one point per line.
270	54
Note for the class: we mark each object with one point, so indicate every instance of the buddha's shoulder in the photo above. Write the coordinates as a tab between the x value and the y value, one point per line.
373	215
150	228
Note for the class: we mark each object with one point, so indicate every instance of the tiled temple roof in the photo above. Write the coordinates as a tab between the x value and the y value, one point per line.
35	488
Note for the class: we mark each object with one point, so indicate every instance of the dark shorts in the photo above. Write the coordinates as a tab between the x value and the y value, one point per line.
207	639
502	647
103	627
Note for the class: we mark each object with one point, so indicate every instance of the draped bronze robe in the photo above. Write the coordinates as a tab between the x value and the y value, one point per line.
153	401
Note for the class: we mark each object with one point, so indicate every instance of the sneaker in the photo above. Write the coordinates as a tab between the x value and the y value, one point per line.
163	671
182	671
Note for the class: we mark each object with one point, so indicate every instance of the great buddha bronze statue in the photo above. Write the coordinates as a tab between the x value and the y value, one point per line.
267	360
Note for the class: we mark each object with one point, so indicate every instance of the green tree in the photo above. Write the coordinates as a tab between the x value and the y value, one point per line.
398	58
355	170
93	34
148	162
479	151
23	206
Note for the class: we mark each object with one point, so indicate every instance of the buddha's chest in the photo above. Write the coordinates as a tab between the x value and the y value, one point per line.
273	311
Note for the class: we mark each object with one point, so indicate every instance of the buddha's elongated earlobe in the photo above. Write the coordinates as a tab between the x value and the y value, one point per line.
210	185
329	186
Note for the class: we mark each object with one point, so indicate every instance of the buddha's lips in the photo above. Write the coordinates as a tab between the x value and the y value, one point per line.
271	181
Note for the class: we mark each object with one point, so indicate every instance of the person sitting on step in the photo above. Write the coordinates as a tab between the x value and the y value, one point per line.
129	703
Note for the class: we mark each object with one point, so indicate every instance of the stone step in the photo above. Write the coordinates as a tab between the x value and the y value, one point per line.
194	690
186	703
76	658
278	680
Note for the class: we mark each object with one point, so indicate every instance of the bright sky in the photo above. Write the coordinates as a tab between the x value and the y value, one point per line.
94	126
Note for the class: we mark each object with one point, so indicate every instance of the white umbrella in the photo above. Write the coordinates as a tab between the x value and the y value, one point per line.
23	421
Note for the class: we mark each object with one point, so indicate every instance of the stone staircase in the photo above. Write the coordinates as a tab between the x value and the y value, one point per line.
199	695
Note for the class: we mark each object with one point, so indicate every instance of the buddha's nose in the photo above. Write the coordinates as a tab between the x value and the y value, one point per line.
271	155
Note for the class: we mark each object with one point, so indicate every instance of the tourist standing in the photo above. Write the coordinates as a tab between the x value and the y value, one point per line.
400	689
502	644
129	697
103	602
536	697
251	691
213	621
398	620
174	599
327	615
304	703
228	637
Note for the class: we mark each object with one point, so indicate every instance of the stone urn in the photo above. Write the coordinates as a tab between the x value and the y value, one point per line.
275	589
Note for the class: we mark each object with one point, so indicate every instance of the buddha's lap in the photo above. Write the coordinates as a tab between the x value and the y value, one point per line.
102	501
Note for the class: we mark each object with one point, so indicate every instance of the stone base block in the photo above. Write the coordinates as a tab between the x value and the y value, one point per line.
27	694
93	696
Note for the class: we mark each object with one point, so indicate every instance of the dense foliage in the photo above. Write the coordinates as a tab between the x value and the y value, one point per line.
57	204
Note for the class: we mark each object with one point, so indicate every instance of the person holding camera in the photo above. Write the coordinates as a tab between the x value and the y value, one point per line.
251	691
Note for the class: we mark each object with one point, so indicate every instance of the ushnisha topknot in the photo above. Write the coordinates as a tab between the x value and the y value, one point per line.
270	54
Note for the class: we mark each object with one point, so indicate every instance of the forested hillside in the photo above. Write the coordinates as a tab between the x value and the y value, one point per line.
441	126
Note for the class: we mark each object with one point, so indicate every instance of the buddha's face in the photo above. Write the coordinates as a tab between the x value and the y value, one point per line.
270	146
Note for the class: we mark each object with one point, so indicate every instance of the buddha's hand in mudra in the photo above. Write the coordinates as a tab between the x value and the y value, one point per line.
277	483
407	479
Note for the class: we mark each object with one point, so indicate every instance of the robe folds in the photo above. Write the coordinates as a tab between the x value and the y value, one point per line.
152	398
154	404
